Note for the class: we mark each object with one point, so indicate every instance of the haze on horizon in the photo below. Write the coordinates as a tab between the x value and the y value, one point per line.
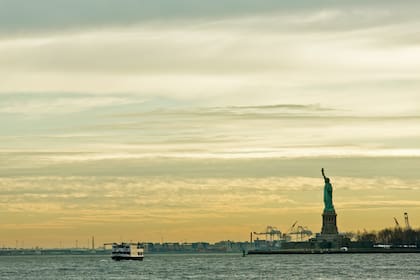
195	120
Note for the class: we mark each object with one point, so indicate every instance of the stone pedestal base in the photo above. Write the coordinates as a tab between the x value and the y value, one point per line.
329	223
329	241
328	237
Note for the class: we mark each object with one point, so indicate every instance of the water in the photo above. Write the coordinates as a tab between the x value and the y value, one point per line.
214	266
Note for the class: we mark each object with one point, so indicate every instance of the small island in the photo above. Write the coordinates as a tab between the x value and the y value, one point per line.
329	240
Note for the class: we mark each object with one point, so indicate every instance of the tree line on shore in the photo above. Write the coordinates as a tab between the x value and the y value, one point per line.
392	236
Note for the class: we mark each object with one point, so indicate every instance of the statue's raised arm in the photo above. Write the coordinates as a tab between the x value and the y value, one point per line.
326	179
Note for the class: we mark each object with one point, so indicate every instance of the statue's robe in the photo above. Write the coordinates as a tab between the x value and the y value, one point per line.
328	202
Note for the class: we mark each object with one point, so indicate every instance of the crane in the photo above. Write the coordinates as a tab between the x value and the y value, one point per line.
271	233
407	223
292	228
397	224
301	232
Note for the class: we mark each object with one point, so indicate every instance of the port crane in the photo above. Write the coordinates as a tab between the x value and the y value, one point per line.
407	223
397	224
301	232
292	228
271	233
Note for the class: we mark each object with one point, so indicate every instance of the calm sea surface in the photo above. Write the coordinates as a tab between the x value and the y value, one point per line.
214	266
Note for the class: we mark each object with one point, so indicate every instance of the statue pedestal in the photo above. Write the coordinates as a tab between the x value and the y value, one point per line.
329	237
329	223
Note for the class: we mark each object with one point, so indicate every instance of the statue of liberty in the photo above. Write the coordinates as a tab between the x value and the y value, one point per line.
328	202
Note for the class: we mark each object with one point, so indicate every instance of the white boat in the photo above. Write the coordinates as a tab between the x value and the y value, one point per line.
127	251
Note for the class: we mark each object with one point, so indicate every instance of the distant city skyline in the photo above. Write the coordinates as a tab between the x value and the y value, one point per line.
205	120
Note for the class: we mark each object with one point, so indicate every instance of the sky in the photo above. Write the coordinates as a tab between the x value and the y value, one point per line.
193	120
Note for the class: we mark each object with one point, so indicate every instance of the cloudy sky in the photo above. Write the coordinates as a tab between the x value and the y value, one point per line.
193	120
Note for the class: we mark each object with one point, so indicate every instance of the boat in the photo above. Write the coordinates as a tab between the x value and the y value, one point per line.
127	251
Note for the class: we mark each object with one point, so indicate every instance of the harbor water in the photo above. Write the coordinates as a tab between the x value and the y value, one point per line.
214	266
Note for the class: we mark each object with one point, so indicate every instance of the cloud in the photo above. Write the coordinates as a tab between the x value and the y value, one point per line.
133	199
46	105
129	138
195	164
100	13
167	203
223	64
298	107
379	204
75	194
